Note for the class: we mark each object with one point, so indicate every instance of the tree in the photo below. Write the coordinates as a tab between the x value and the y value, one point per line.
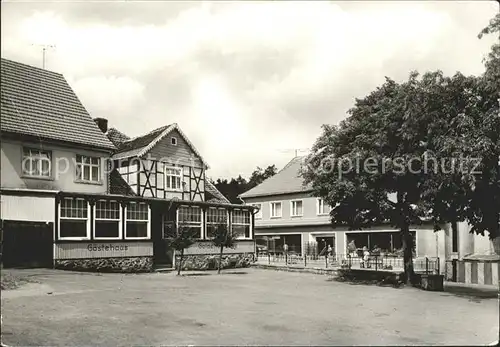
232	189
483	127
399	129
222	238
183	238
492	61
473	132
384	148
258	175
236	186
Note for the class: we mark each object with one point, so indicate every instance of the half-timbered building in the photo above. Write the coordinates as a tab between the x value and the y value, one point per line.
165	167
162	164
76	195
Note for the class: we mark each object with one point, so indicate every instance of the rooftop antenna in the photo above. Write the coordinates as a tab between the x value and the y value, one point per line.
44	49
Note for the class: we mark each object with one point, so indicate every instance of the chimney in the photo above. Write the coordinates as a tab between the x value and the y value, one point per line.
102	123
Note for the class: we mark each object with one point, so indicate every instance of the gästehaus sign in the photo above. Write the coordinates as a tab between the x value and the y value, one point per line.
103	250
207	247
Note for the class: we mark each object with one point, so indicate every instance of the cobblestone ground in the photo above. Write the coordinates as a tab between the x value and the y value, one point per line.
244	307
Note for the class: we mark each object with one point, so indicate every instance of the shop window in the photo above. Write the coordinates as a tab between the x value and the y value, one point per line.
215	217
74	219
190	217
107	221
137	222
241	224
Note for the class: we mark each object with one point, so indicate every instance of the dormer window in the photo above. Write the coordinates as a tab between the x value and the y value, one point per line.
173	140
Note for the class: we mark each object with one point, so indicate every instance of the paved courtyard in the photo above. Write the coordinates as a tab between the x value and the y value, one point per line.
244	307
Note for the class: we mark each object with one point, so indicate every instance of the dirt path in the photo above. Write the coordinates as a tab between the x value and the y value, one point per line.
254	307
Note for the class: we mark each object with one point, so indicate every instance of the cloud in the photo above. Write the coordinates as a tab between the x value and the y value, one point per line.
110	96
244	80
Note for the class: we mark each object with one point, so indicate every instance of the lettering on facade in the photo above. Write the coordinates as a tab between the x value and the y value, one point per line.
208	245
103	250
110	247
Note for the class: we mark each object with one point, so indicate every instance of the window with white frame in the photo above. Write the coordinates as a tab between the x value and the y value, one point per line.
74	219
296	208
173	141
215	217
137	222
37	163
258	215
190	217
241	223
173	178
322	207
275	209
107	220
88	169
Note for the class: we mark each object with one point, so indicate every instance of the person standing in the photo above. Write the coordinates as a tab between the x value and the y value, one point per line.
366	258
351	248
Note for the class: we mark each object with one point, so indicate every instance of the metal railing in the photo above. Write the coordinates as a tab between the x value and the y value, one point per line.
386	262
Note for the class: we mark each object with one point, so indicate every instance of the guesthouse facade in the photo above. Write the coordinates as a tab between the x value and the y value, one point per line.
76	195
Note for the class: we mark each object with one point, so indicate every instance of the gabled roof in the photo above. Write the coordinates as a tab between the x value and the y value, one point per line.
286	181
212	194
117	137
117	185
141	145
41	103
136	146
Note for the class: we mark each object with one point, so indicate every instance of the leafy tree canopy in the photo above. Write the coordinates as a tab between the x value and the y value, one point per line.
432	141
236	186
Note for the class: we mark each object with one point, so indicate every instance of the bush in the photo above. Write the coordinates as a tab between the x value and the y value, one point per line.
368	277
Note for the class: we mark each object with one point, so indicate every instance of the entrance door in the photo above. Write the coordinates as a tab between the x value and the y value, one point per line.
162	253
27	244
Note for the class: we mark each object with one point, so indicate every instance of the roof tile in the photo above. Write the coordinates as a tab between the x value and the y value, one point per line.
117	137
117	185
41	103
212	194
286	181
133	147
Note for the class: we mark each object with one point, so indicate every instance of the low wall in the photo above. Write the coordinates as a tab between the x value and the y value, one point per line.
211	261
312	270
125	264
474	270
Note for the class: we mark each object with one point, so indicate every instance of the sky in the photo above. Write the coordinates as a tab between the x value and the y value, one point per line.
247	82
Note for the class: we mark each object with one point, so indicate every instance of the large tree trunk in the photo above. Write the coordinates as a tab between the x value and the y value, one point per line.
180	262
495	240
220	259
408	255
404	223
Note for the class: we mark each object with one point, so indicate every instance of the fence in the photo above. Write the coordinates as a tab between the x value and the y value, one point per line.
484	272
386	262
270	246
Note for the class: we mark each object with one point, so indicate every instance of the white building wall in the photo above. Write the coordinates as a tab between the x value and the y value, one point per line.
27	208
483	245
